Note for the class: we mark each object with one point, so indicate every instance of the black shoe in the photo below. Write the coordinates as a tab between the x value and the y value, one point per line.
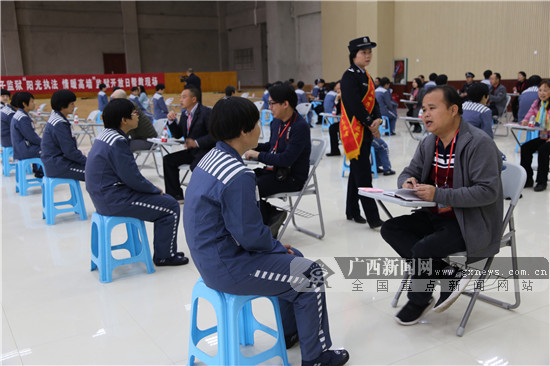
375	224
336	357
291	340
389	172
172	261
334	154
379	170
453	283
540	187
529	183
276	221
393	134
411	313
39	174
357	218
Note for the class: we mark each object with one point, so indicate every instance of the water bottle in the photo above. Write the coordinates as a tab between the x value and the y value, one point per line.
532	121
164	136
75	118
420	113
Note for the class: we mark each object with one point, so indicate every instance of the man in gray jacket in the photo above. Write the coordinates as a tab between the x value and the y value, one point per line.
458	167
497	95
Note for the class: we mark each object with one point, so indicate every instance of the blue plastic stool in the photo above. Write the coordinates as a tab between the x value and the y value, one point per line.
373	165
49	206
529	135
7	167
22	168
137	244
385	127
235	326
267	117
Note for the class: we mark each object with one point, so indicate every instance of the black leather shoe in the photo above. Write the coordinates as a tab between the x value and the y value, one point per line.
291	340
529	183
172	261
389	172
374	225
540	187
333	154
357	218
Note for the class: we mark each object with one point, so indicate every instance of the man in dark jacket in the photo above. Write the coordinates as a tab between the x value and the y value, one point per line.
193	127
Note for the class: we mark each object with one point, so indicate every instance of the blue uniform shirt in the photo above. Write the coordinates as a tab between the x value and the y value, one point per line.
328	104
112	176
159	107
302	98
59	151
25	141
7	114
222	221
479	116
102	100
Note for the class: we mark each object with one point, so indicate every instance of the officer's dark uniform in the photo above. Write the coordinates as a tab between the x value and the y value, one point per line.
354	86
60	156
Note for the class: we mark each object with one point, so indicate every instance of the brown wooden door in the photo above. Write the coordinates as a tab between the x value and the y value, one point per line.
114	63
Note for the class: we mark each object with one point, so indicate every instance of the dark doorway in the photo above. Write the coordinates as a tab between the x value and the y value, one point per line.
114	63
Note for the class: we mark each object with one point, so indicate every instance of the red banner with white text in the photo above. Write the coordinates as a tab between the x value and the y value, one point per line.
41	84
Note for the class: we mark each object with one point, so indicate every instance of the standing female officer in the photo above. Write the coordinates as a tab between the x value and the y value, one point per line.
359	123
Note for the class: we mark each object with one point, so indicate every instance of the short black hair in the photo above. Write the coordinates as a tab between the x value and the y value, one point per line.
450	96
61	99
268	85
487	73
523	73
160	87
282	93
441	79
291	80
421	76
497	75
115	111
101	86
116	87
23	97
135	88
300	84
229	90
477	91
6	92
231	116
534	80
384	81
13	101
433	76
194	91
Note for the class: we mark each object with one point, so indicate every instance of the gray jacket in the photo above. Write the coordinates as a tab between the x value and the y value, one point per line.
476	196
499	98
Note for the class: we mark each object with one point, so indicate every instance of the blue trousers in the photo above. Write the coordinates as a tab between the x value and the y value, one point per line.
75	171
382	153
298	283
164	212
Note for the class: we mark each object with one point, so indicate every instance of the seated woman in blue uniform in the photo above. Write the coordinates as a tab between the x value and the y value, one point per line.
117	188
60	156
286	155
25	141
232	248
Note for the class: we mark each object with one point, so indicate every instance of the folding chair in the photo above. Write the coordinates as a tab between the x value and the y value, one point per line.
303	109
310	187
513	179
506	116
245	95
186	168
159	127
260	104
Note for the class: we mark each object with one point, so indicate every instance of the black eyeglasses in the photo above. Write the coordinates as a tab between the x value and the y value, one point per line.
272	103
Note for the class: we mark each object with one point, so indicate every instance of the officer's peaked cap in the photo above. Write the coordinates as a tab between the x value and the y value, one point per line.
360	43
